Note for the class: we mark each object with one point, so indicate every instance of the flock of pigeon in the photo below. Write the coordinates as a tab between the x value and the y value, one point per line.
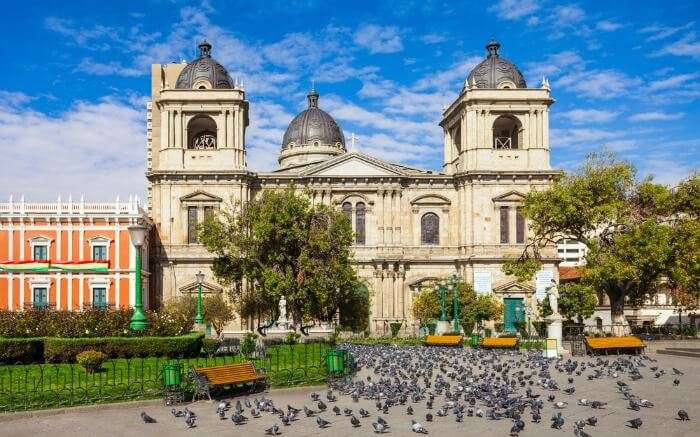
453	384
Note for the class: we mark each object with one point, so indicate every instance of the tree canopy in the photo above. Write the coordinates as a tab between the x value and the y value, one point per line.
278	244
639	233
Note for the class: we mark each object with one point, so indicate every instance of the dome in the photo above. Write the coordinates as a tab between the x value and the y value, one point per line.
204	72
312	135
495	71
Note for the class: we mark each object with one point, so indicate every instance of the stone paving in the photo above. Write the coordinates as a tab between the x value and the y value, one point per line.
124	420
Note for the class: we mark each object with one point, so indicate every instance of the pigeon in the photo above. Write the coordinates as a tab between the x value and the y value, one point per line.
273	430
221	413
355	422
190	421
177	413
676	382
255	413
308	412
364	413
314	396
676	371
347	412
321	406
557	421
322	423
683	415
378	428
635	423
147	419
409	410
570	390
592	421
561	405
383	422
418	428
237	418
428	417
336	410
598	404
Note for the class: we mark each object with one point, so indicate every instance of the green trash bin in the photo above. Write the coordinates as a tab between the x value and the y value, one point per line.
431	328
474	340
172	375
335	362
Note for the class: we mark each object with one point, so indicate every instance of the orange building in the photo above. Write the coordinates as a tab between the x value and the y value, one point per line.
69	255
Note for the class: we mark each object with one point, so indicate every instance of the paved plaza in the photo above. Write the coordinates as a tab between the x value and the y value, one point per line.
124	419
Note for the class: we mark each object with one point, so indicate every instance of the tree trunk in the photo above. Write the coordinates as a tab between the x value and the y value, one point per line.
617	312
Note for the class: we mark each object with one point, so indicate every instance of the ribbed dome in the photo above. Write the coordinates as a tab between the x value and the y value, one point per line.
495	71
312	136
313	127
204	72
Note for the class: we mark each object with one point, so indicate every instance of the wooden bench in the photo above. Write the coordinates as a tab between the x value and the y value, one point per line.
205	378
499	342
443	340
607	344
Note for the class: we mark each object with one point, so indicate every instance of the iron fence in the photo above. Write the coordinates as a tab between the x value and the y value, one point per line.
644	332
40	386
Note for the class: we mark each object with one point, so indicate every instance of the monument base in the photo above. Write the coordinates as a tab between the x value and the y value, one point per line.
442	327
554	330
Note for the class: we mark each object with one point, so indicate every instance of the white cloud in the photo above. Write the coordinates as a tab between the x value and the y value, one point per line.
567	15
378	39
657	32
514	9
608	25
582	116
96	149
433	38
672	81
268	122
107	69
656	116
601	84
555	64
689	45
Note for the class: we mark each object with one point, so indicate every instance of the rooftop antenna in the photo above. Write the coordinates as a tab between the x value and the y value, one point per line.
353	137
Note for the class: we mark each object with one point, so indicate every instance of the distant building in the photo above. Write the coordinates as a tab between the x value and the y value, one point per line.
68	255
571	252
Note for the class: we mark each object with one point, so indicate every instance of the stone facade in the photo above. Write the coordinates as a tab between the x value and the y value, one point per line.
419	225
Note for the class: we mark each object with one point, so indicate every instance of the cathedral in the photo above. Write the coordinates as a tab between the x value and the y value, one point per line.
412	226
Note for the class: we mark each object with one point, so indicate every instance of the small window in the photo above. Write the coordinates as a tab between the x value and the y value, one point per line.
192	225
504	225
360	223
99	253
347	210
41	298
41	252
430	229
99	298
201	131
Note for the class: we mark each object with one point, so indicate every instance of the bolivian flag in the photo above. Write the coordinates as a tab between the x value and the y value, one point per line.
24	266
81	266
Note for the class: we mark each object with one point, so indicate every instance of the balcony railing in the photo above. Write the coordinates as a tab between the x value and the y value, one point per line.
502	143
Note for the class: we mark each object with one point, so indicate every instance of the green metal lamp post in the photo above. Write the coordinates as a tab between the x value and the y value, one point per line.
139	322
199	318
455	302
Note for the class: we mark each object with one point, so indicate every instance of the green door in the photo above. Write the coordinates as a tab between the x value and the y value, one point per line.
513	311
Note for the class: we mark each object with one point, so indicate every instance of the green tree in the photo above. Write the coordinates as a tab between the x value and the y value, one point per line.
277	245
354	309
426	305
217	312
638	233
576	301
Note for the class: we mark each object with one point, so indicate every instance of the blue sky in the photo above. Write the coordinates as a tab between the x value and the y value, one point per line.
72	120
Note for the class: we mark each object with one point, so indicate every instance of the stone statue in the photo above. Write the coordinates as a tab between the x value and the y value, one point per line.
553	293
283	311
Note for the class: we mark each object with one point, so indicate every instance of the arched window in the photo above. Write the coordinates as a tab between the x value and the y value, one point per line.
506	132
360	223
201	133
347	210
430	228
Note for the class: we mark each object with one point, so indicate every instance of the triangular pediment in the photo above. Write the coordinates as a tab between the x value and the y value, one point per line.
513	287
353	164
430	200
200	196
207	287
511	196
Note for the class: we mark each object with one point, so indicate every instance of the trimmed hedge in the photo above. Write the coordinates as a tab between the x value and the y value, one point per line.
64	350
21	350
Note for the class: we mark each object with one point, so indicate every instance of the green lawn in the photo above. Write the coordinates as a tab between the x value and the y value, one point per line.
28	387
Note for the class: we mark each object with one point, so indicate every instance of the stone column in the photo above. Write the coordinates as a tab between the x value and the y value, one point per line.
164	129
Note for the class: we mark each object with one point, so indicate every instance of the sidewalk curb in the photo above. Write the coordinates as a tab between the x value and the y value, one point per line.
19	415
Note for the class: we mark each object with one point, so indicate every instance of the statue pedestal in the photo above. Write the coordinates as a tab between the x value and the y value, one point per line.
443	326
554	330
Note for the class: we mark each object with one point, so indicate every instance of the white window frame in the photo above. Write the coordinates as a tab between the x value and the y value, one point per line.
40	282
40	241
99	240
99	283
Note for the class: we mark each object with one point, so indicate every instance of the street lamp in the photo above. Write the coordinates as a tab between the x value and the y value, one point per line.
440	288
139	322
199	318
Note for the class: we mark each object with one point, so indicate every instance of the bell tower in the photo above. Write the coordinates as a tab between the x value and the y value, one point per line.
497	123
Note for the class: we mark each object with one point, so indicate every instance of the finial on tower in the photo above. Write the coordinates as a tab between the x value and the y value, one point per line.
204	49
492	47
313	96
